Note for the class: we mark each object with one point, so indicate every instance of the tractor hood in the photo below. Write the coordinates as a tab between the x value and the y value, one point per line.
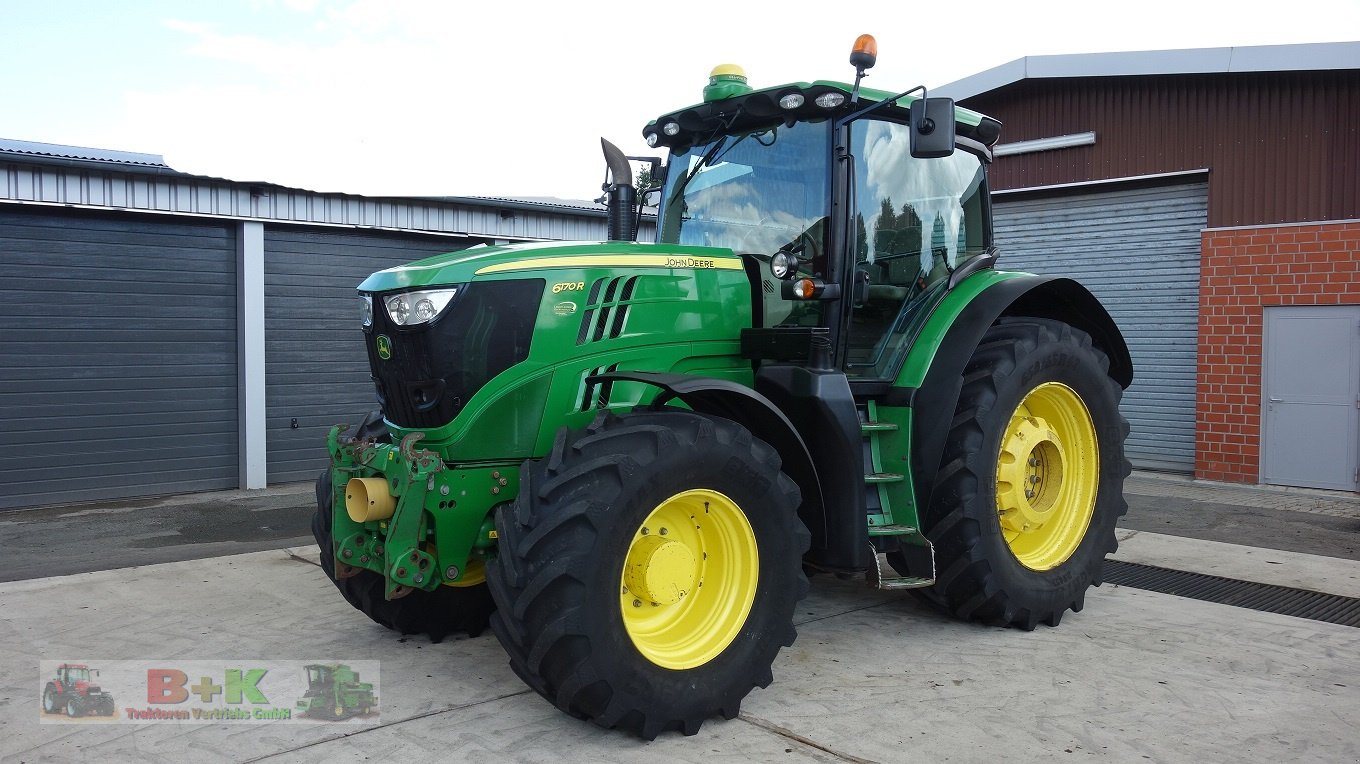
528	324
519	260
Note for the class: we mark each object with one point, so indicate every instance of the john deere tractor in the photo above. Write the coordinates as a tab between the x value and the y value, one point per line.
628	457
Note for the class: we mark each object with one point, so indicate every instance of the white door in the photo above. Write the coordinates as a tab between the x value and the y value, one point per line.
1310	397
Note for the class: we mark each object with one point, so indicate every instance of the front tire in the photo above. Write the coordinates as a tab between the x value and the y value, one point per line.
1031	482
647	573
51	700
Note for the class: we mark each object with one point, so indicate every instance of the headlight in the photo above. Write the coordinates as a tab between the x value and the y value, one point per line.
783	265
414	308
366	310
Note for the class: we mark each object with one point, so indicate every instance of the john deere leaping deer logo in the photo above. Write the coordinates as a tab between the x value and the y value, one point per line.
384	346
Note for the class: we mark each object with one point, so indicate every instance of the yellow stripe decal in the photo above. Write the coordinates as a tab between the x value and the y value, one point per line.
617	261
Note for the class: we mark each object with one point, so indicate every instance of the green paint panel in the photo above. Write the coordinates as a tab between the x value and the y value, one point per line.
932	335
545	260
606	308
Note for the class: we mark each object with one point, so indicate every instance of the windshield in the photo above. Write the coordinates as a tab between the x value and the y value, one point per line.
749	192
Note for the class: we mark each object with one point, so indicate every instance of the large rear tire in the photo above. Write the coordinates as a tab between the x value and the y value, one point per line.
437	614
647	573
1031	482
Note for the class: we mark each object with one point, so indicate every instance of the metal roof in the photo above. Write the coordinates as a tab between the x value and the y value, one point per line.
1257	58
593	208
59	151
539	203
82	176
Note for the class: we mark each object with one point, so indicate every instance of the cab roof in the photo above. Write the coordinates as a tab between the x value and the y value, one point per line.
759	108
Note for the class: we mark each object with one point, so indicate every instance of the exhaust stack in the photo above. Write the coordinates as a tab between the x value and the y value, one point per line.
620	196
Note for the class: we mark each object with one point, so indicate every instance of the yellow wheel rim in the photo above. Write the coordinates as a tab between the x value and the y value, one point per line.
689	579
1046	476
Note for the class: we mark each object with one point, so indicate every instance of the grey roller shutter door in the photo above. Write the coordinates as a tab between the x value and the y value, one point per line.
1138	251
316	370
118	368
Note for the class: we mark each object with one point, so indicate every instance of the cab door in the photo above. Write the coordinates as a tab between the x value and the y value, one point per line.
914	223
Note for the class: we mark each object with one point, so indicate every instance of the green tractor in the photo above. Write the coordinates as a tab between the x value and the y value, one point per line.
628	457
335	692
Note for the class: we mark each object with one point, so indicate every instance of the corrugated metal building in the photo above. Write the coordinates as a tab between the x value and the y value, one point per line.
168	332
1202	194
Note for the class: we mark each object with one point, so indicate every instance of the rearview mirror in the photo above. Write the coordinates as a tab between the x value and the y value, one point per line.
932	128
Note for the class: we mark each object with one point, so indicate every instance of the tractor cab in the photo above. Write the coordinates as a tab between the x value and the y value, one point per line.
319	679
320	699
69	674
844	219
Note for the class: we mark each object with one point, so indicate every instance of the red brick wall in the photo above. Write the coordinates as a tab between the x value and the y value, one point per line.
1243	270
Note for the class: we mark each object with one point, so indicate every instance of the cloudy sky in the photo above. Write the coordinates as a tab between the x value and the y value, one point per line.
421	97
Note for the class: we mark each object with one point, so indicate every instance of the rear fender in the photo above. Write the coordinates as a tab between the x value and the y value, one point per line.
935	369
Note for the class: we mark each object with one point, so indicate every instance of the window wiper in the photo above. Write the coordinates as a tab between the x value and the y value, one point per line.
709	156
679	191
714	152
714	155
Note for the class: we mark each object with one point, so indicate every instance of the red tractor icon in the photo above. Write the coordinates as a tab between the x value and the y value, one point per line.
73	692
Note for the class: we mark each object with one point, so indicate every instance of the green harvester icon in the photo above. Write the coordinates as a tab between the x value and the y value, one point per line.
335	692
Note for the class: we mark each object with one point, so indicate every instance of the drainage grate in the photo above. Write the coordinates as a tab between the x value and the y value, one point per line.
1300	603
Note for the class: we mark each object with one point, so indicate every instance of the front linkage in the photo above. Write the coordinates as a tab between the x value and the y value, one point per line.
409	517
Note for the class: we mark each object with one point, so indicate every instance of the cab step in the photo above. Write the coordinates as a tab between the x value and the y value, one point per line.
874	478
883	576
892	530
868	427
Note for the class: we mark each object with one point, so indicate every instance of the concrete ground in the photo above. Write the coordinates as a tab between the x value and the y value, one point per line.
78	538
873	677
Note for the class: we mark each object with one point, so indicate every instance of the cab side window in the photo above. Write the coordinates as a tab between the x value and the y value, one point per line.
916	221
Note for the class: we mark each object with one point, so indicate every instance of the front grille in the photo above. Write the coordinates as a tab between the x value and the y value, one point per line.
433	369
